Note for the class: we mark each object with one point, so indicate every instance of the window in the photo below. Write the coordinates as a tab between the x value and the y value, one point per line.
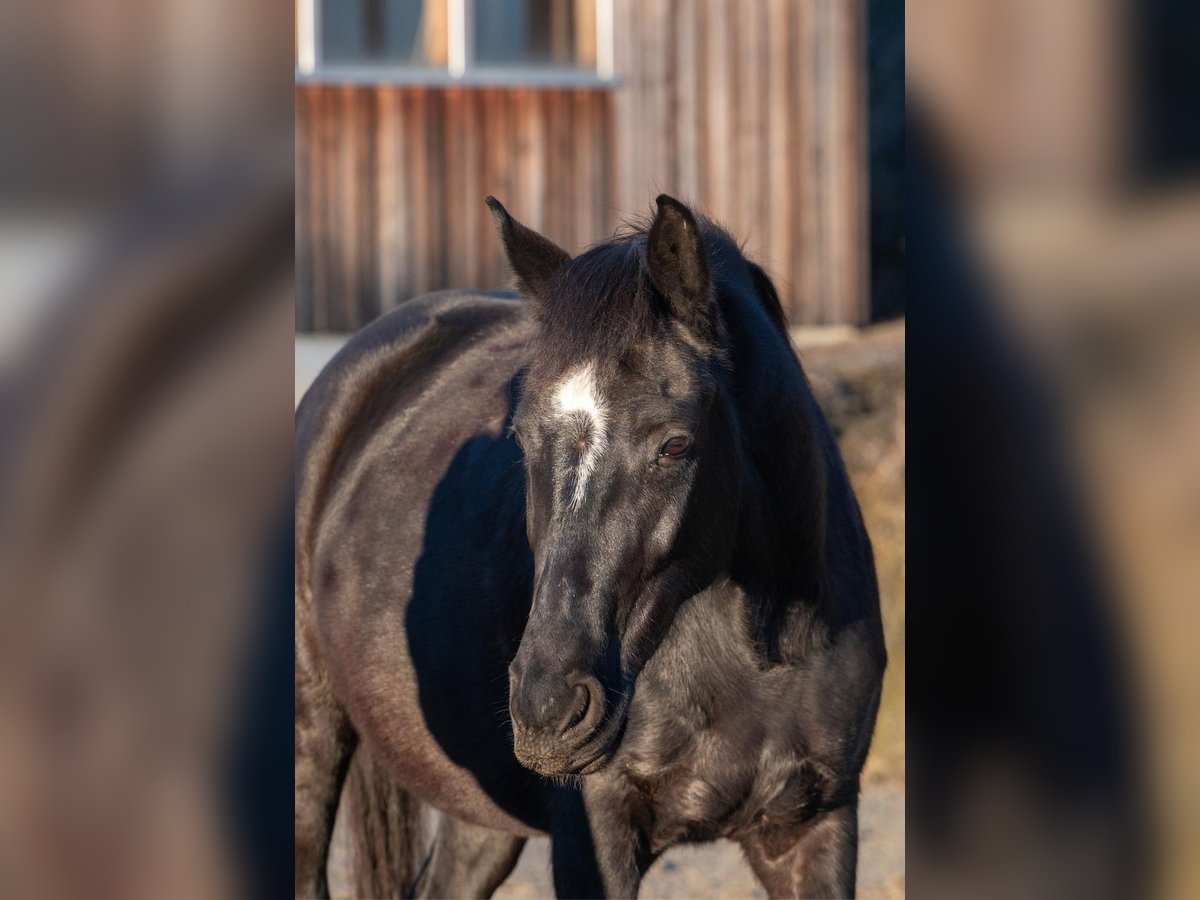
375	31
472	41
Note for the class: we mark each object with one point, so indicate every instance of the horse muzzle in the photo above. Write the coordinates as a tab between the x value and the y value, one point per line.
557	721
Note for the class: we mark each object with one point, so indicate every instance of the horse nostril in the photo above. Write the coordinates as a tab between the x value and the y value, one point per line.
587	710
582	701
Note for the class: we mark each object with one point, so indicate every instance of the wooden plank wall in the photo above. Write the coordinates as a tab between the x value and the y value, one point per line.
390	183
753	110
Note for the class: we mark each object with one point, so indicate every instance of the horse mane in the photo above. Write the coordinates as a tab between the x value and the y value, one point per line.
601	302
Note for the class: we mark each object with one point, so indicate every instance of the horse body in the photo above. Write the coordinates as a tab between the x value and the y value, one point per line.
413	560
439	582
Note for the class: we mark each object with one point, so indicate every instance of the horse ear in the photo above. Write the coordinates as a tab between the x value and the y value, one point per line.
678	266
535	259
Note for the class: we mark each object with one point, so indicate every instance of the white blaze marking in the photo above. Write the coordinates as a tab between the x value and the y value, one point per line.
577	394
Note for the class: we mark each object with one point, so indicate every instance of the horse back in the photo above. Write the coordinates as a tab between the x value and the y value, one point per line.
385	371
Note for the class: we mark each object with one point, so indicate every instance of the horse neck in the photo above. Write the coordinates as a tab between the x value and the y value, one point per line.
784	514
789	470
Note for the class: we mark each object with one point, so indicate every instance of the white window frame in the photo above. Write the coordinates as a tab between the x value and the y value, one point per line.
460	68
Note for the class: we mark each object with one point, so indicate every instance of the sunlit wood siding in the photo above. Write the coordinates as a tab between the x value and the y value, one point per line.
390	184
753	110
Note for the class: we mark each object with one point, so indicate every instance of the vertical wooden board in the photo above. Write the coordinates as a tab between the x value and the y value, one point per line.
606	183
417	117
520	202
624	101
403	250
824	120
531	160
352	206
346	233
849	178
762	150
360	205
647	138
472	192
520	140
586	171
571	147
663	125
720	100
640	140
399	247
340	191
700	75
320	217
862	173
751	126
544	108
436	210
323	251
386	176
303	213
499	180
828	161
568	183
780	195
313	218
604	189
341	231
540	186
324	169
610	165
592	228
840	151
367	202
555	108
453	201
633	130
687	99
646	175
806	255
829	125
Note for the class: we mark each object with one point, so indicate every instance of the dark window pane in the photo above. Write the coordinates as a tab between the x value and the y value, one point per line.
373	31
525	32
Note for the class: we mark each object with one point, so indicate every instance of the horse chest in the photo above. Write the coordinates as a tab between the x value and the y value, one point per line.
693	773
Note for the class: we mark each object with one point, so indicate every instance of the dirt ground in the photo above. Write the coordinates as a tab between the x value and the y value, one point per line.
717	870
702	871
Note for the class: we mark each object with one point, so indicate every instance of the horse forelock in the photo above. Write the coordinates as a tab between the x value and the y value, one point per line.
598	306
601	303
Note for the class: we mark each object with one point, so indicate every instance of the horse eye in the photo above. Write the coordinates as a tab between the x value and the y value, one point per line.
675	447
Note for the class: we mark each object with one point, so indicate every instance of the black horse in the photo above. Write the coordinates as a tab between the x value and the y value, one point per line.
585	565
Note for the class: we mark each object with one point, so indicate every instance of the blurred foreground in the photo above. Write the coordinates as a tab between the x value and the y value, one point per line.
145	431
1054	328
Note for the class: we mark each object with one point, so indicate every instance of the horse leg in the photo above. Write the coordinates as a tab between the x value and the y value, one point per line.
468	860
595	849
325	742
818	858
